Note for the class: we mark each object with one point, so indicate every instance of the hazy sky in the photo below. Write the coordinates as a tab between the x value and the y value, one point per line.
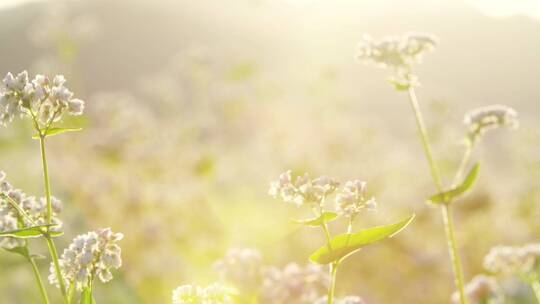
499	8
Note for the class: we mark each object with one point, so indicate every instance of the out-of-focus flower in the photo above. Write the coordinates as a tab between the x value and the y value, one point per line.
90	255
212	294
43	100
345	300
481	289
303	190
294	284
352	199
398	53
480	120
36	209
241	267
395	52
512	260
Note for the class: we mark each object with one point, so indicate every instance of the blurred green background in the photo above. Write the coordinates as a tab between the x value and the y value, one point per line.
193	107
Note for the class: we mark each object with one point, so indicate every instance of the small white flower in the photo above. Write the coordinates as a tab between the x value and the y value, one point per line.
38	97
481	289
480	120
294	284
93	253
303	190
75	106
212	294
352	199
397	53
511	260
241	267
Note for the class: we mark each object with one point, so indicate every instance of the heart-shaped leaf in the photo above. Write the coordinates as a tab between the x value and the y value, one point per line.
345	244
29	232
465	186
325	217
56	131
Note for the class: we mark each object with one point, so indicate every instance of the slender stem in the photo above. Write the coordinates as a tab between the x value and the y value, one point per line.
463	164
56	263
46	178
535	284
445	207
21	211
50	242
333	277
39	281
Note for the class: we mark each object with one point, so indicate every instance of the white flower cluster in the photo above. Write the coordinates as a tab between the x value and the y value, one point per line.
35	208
89	255
40	98
345	300
481	289
303	190
352	199
398	53
212	294
480	120
241	267
512	260
294	284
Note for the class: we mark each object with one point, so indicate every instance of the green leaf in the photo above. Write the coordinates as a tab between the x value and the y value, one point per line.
86	296
465	186
56	131
345	244
20	250
29	232
317	221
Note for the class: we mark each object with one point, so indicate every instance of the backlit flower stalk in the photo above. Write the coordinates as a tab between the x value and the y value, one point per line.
44	101
313	193
400	54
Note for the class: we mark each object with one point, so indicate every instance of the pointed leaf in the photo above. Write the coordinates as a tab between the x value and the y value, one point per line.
20	250
317	221
465	186
29	232
56	131
345	244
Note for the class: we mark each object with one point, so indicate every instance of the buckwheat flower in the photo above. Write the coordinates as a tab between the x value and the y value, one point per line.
212	294
39	98
241	267
480	120
352	199
510	260
481	289
345	300
294	284
8	222
90	255
303	190
397	53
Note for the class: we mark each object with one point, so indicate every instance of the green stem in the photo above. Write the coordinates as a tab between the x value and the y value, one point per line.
39	281
445	208
333	277
50	242
535	284
47	183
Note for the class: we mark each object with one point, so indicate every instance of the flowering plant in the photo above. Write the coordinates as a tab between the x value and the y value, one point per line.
45	101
